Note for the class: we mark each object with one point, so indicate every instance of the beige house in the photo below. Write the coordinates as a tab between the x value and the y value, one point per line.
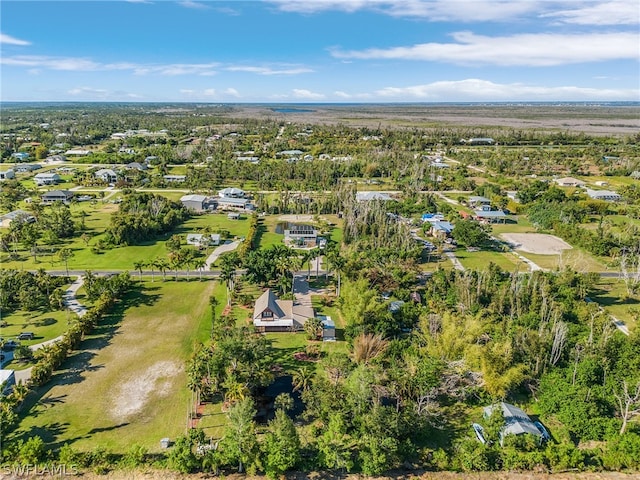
273	315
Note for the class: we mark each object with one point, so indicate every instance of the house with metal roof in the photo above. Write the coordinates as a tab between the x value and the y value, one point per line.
231	192
606	195
201	240
63	196
271	314
17	215
370	196
195	202
46	178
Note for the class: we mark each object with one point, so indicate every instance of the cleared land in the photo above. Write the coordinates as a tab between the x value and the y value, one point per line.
127	385
538	243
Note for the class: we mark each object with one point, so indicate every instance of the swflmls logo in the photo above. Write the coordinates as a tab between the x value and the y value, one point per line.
44	470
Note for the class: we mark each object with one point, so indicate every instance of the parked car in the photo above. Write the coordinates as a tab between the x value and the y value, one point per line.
25	336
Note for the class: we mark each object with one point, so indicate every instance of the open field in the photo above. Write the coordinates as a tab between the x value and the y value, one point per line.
595	120
127	385
480	260
576	259
538	243
612	295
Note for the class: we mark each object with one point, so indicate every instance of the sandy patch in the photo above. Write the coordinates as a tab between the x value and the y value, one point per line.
296	218
539	243
133	394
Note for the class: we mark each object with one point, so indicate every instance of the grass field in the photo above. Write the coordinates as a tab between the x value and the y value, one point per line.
576	258
127	385
612	295
480	260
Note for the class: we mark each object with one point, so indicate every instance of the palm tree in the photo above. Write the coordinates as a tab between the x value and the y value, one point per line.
302	379
139	265
199	264
163	266
227	273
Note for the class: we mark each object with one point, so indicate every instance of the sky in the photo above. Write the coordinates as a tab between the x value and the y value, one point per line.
314	51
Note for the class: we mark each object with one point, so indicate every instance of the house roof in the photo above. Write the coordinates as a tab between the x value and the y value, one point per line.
230	191
476	199
446	227
232	201
568	181
105	171
602	193
193	198
368	196
46	175
15	214
58	193
490	214
268	301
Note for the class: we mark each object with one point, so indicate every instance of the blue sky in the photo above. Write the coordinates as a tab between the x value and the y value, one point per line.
320	50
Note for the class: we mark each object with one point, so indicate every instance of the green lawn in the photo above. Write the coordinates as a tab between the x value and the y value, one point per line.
612	295
575	258
44	325
480	260
127	385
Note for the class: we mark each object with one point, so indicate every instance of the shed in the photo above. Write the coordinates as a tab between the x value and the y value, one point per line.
328	329
233	216
165	442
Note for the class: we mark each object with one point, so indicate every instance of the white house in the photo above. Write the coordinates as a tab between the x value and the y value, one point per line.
569	182
231	192
370	196
607	195
46	178
201	240
7	175
107	175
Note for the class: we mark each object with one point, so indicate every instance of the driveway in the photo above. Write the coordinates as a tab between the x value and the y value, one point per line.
227	247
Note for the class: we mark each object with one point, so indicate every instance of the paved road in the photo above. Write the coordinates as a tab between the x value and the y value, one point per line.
227	247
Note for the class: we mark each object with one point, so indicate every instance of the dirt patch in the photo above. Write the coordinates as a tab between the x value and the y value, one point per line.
539	243
134	393
296	218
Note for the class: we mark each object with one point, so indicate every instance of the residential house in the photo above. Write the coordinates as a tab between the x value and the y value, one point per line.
231	192
491	216
106	175
370	196
479	141
432	217
135	166
46	178
17	215
273	315
63	196
27	167
475	201
606	195
569	182
230	203
517	422
301	236
7	175
201	240
78	152
196	203
55	159
289	153
174	178
441	229
20	156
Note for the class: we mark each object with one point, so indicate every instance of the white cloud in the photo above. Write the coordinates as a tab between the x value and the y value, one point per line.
93	92
209	92
194	5
9	40
87	65
538	50
341	94
482	90
232	92
616	12
307	94
435	10
186	91
268	70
